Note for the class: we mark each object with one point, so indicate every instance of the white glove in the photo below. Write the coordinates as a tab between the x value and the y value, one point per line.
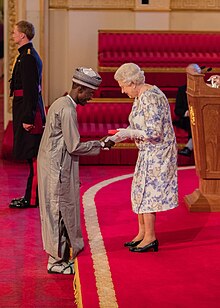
127	133
119	136
115	138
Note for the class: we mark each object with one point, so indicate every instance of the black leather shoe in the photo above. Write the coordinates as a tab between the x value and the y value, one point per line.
19	203
153	246
185	151
132	243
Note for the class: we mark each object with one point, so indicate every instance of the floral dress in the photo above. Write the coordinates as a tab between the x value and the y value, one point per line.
154	185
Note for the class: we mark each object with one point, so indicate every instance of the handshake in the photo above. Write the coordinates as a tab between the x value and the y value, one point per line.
106	143
121	134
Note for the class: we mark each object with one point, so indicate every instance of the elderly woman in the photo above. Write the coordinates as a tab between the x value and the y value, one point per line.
154	185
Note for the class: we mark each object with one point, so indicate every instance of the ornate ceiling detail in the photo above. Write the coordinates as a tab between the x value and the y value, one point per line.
173	5
195	5
92	4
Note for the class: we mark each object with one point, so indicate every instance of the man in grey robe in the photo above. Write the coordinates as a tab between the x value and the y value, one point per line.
58	173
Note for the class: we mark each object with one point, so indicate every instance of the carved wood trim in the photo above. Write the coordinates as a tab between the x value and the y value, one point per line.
194	5
153	5
112	69
136	5
91	5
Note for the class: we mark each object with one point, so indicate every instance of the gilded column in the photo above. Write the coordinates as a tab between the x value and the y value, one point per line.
10	18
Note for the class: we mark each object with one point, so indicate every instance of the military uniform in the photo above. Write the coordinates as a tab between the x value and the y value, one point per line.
27	107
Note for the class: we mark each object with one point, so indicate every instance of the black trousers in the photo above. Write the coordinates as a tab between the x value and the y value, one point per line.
184	123
31	193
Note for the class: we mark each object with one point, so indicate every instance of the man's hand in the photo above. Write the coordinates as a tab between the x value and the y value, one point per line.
186	113
106	145
28	127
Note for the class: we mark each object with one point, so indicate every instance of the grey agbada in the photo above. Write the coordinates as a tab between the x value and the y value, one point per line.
58	176
58	170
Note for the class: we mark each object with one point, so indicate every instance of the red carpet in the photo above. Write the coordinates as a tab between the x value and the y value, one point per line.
1	114
185	271
24	281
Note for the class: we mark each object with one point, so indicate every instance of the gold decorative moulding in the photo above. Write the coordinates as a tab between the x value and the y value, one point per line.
137	5
192	116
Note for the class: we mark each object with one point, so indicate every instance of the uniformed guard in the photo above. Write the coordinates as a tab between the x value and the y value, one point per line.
27	109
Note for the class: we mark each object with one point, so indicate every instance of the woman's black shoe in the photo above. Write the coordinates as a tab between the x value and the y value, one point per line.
153	246
132	243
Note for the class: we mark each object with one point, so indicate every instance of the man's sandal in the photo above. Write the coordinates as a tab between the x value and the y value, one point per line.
61	268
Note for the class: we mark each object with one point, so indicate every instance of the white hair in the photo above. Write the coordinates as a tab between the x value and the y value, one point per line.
130	73
193	68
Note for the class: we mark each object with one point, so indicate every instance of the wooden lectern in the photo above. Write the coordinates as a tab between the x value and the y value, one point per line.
204	110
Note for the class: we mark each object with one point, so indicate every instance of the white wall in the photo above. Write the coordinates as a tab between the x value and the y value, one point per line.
152	20
74	42
198	21
59	54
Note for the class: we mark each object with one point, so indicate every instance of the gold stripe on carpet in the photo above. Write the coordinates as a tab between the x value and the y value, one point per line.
77	285
102	271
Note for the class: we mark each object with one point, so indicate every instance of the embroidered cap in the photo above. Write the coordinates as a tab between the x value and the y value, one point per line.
87	77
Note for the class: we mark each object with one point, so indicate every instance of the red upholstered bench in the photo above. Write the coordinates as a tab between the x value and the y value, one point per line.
163	55
99	116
